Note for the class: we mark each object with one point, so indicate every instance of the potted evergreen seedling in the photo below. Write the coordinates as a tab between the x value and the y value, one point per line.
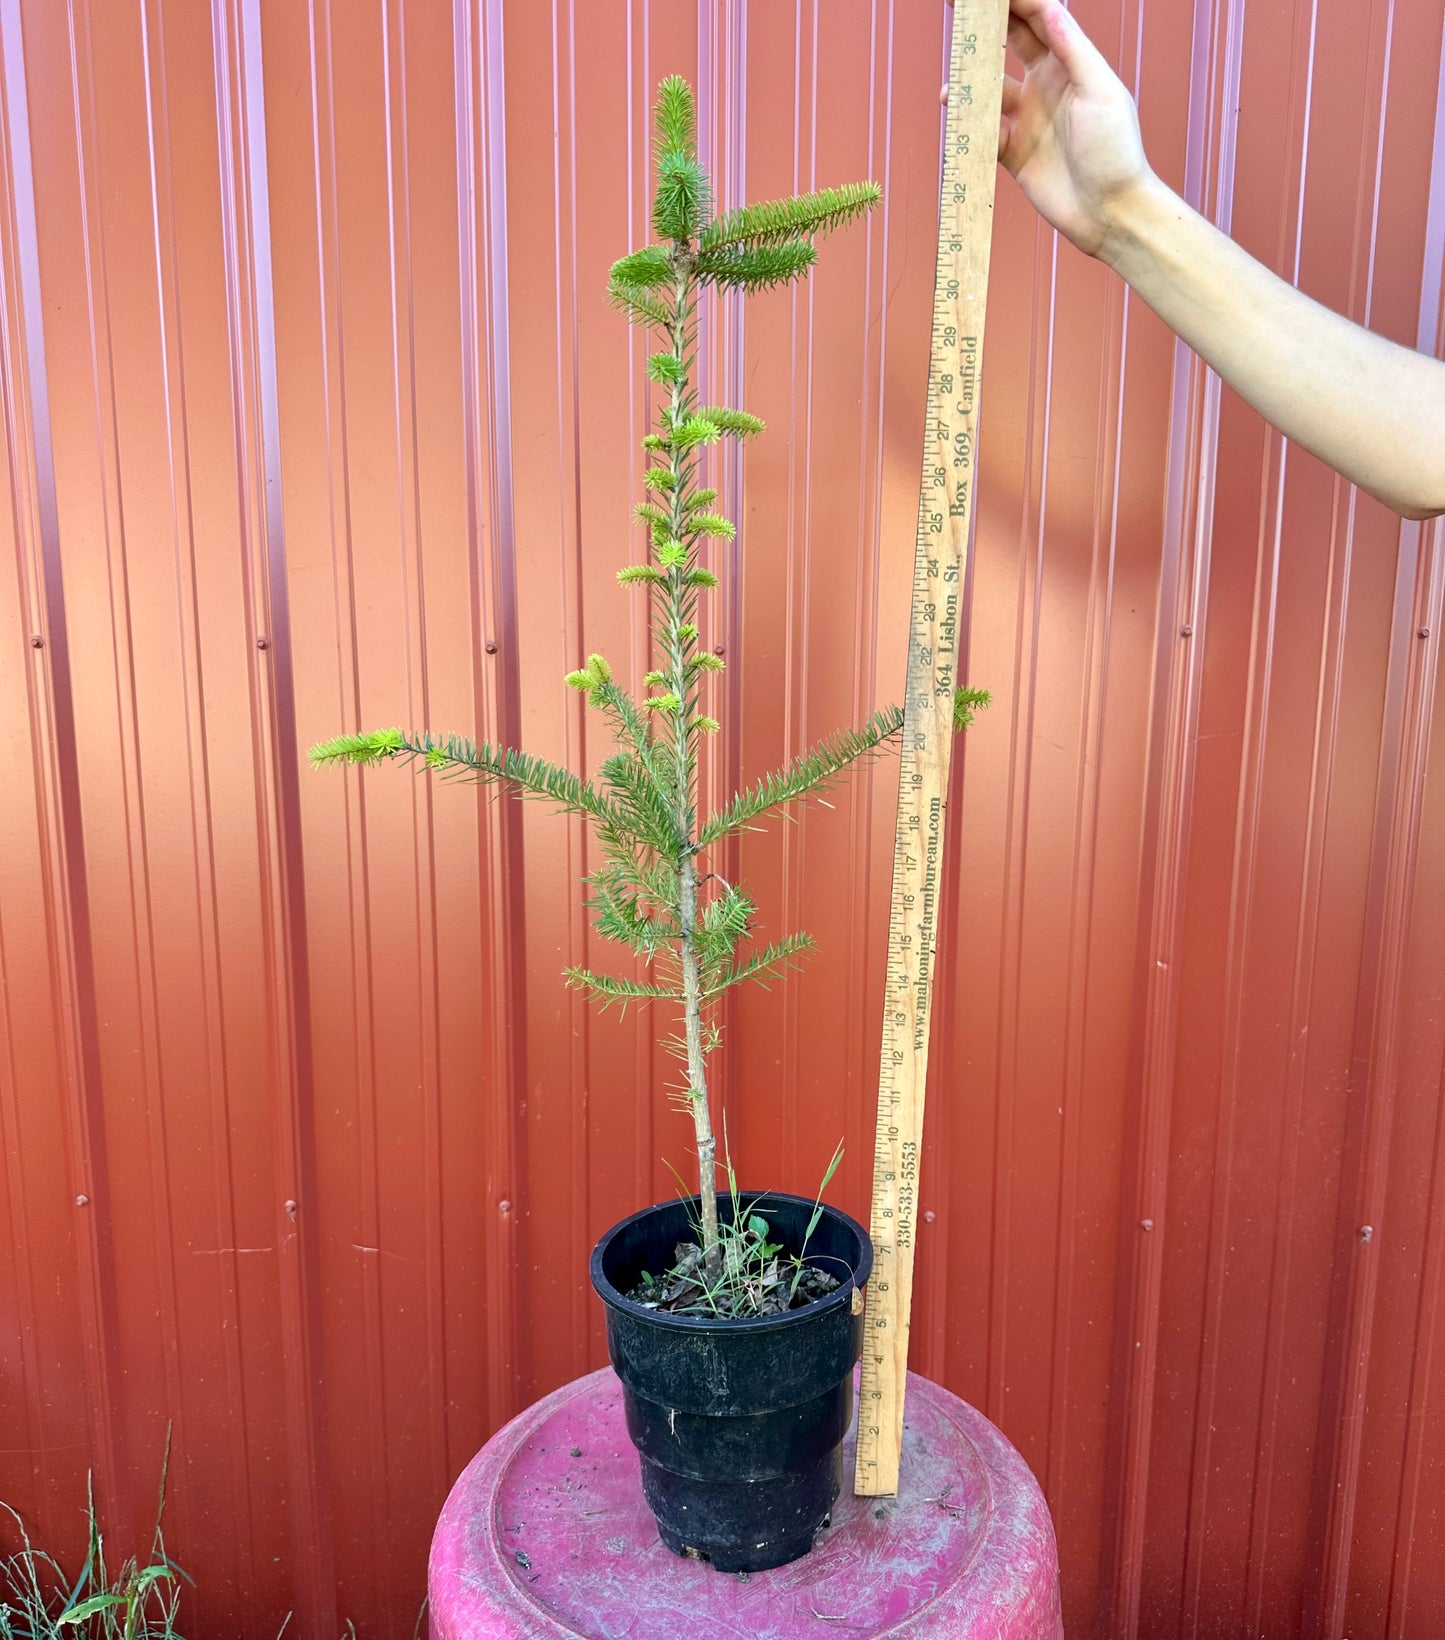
733	1319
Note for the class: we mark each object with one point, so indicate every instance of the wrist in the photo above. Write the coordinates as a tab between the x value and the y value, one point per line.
1134	221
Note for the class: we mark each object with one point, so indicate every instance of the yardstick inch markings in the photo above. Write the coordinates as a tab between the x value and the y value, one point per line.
945	505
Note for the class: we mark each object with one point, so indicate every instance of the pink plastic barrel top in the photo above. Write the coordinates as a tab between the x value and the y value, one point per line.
546	1535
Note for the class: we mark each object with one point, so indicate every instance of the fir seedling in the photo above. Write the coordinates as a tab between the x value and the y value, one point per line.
652	890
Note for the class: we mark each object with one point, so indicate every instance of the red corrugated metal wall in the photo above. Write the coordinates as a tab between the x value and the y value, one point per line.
315	417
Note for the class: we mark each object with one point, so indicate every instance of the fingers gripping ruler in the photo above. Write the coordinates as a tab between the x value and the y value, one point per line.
945	507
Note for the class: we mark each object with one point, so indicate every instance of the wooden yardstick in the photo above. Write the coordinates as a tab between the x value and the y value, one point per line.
975	79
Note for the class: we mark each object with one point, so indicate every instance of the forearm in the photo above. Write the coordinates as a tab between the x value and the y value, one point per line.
1371	409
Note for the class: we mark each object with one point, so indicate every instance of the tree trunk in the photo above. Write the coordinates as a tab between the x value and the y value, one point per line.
697	1071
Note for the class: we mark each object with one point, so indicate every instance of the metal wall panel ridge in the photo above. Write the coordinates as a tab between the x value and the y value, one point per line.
315	418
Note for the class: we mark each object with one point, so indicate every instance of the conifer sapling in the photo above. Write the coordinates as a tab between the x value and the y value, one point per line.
651	890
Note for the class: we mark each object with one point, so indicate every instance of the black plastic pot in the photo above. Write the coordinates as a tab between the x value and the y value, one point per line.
739	1423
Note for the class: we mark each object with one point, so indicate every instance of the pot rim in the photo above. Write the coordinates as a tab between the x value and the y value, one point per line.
841	1294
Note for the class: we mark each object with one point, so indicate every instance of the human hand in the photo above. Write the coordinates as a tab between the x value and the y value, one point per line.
1069	132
